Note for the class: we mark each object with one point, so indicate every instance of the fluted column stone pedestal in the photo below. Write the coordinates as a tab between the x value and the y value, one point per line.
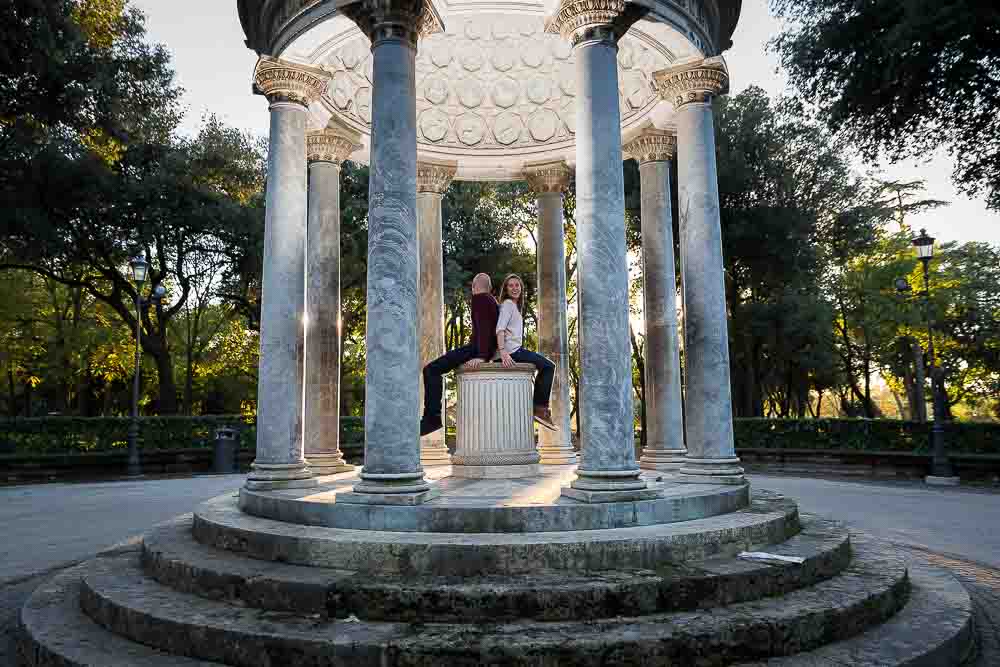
279	462
325	150
664	449
392	473
433	179
547	181
495	429
690	87
608	470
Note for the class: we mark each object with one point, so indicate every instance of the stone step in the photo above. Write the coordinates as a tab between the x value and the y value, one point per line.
531	505
122	599
770	519
54	632
171	556
934	629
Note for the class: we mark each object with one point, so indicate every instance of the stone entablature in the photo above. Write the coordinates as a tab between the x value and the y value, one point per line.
652	145
282	81
695	82
331	145
547	176
435	176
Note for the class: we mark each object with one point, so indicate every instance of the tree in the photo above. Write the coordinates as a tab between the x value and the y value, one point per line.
903	78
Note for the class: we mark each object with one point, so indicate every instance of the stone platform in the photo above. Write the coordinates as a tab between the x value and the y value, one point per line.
223	586
524	505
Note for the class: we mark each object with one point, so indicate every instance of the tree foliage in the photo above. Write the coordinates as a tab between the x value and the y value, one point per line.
903	77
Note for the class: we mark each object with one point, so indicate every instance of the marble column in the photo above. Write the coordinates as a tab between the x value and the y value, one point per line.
547	181
711	458
433	179
392	473
608	470
290	89
325	150
664	449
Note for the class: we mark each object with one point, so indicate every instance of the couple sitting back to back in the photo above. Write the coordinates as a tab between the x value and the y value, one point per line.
497	331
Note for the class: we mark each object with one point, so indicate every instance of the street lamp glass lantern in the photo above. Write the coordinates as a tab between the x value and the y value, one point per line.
139	267
924	245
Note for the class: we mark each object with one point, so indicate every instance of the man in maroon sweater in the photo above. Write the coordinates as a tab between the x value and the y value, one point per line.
481	347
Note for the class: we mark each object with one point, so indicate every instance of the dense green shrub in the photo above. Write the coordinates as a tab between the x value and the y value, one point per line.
55	435
865	434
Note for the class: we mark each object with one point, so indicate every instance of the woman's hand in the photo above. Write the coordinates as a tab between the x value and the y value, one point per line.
473	363
506	359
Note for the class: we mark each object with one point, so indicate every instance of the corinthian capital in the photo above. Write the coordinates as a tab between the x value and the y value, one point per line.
545	177
693	82
408	20
282	81
331	144
651	146
578	20
435	176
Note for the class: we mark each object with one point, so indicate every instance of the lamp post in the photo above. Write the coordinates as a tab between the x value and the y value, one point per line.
941	470
139	269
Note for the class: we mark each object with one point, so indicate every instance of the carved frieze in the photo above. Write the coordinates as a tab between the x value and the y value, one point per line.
283	81
651	146
693	82
547	176
435	176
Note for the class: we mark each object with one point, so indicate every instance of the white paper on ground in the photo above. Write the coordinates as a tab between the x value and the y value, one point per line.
764	556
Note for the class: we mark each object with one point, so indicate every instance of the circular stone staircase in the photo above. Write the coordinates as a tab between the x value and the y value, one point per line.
499	572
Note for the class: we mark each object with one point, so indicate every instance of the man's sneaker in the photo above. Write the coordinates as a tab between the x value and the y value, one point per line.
429	424
544	417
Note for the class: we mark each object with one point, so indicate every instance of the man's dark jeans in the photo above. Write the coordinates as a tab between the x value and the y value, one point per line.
434	385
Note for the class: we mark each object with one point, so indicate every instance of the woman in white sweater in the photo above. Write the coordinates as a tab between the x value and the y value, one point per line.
510	334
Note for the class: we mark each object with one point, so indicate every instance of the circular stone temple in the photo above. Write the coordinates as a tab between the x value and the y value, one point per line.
495	85
544	91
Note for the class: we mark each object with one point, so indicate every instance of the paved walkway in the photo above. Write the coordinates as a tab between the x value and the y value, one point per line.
49	527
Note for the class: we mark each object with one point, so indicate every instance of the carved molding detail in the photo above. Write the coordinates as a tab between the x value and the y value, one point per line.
330	145
547	176
578	20
282	81
492	82
408	20
693	82
652	146
435	176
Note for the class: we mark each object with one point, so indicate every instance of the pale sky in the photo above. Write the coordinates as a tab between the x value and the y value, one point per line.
215	68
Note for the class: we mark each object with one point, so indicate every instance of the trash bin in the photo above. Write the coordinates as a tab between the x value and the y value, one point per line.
224	451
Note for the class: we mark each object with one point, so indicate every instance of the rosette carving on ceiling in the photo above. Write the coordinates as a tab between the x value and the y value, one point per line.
493	81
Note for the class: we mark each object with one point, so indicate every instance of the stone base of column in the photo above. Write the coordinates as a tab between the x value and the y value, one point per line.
409	488
664	460
328	464
557	455
941	481
356	498
609	486
711	471
434	450
272	476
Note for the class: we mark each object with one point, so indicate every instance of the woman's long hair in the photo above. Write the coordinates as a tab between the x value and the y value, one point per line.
504	294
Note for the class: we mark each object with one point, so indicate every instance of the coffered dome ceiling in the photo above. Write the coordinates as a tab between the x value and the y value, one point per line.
494	90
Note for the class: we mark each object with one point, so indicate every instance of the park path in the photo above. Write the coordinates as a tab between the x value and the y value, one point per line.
51	526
